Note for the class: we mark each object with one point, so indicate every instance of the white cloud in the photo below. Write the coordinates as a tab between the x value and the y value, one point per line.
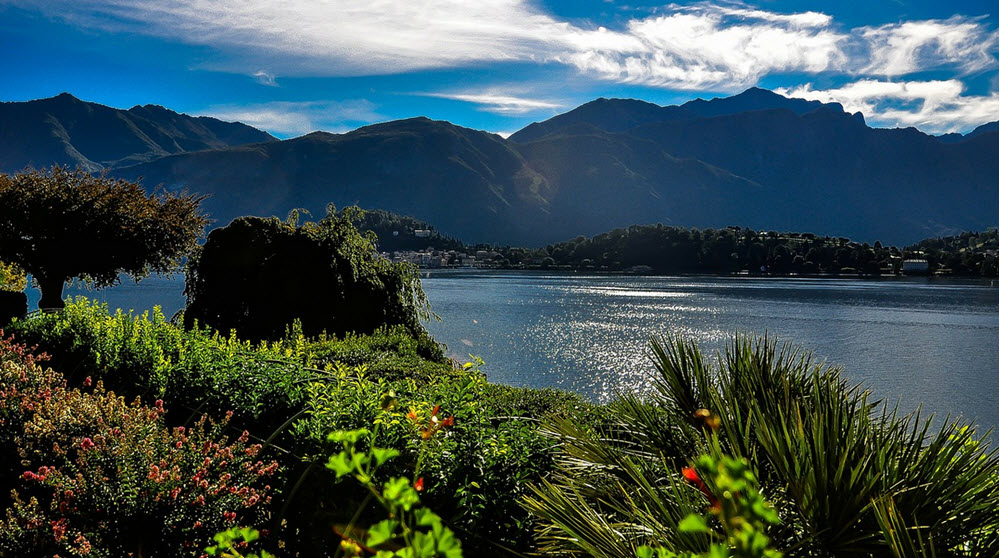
932	106
908	47
702	46
289	119
718	48
333	37
500	102
265	78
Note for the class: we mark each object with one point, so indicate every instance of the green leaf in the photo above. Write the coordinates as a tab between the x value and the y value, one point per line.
382	455
644	552
693	523
381	532
340	464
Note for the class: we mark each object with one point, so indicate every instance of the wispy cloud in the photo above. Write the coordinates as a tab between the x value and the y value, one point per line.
932	106
723	46
908	47
500	101
717	46
265	78
289	119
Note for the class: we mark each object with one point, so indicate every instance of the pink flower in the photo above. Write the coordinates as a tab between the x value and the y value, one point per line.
87	443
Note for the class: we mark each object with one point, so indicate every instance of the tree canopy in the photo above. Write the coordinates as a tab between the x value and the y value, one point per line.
59	224
257	276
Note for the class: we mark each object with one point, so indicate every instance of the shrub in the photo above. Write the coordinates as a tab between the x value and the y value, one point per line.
474	475
106	478
257	276
146	354
392	353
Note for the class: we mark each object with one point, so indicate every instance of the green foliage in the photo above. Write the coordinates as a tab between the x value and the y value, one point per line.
257	276
229	543
192	369
12	278
474	473
419	531
664	249
58	224
105	477
740	511
391	353
827	458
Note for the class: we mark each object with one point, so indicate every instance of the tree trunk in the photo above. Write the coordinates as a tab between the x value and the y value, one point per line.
51	293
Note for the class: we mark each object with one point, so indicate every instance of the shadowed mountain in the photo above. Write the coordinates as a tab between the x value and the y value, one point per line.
68	131
473	184
756	160
750	100
610	115
984	129
819	168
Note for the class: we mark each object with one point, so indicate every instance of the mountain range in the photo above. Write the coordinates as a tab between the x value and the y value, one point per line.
755	159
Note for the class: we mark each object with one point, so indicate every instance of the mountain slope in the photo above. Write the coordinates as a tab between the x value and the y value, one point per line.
471	182
65	130
756	160
820	168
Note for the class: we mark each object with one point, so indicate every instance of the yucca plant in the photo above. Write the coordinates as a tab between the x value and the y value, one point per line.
848	476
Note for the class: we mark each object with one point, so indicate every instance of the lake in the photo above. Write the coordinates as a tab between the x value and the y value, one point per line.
921	341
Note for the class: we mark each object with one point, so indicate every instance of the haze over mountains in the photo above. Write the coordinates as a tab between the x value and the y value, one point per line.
755	159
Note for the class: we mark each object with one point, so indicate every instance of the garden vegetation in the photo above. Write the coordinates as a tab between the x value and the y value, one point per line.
352	435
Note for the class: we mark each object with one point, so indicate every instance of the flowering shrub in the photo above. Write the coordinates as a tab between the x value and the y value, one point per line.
474	472
104	477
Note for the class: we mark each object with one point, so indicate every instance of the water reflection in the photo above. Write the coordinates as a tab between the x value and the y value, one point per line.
927	342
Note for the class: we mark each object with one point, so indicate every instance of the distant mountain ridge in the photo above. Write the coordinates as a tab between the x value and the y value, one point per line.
66	130
755	159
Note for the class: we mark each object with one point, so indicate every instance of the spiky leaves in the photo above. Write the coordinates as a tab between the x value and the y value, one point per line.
847	475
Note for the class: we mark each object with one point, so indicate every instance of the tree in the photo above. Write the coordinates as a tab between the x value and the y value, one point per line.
58	224
257	276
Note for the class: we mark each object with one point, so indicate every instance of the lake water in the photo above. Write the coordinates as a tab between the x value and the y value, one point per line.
921	341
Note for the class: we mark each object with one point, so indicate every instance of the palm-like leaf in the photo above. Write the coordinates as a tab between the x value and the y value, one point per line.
849	477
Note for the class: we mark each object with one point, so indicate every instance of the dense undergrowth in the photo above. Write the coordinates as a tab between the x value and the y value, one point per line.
290	394
144	427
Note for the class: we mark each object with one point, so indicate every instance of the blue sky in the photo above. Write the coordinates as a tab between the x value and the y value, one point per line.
293	66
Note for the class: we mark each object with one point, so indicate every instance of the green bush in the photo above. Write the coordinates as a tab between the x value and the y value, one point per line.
474	474
392	353
148	355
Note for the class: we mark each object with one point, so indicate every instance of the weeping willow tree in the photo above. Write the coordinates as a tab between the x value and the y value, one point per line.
848	476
